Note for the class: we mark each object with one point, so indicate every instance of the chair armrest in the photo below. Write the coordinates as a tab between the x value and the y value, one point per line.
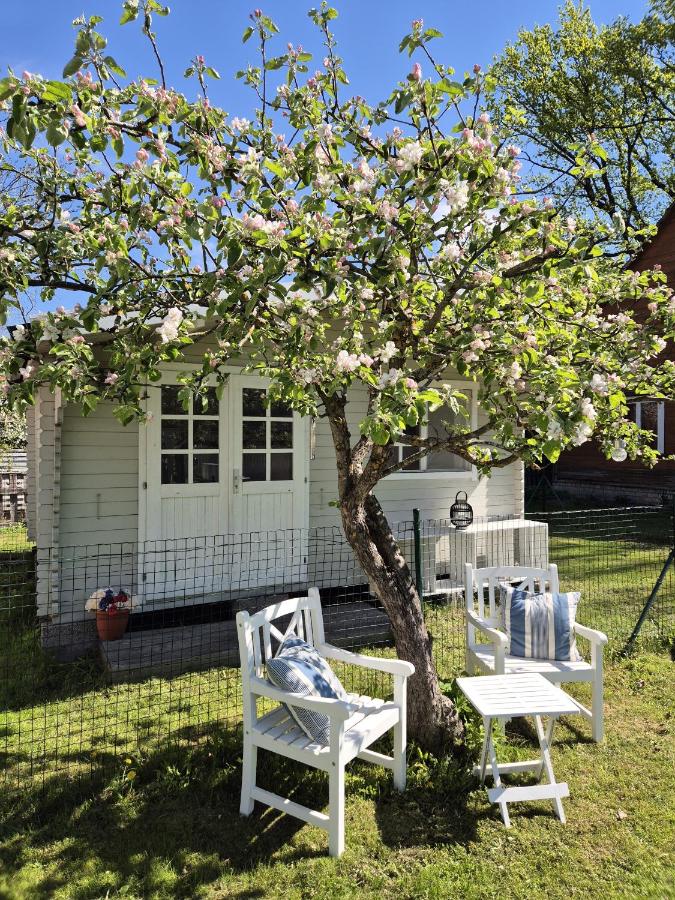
339	710
496	636
392	666
595	637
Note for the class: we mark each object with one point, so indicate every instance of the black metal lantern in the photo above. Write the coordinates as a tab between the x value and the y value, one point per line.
461	513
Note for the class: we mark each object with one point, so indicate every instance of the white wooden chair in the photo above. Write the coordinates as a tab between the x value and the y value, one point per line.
355	724
486	641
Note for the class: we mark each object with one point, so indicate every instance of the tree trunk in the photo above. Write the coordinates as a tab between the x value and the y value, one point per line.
433	720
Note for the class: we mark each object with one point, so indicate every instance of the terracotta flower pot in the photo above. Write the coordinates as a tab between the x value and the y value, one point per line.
111	627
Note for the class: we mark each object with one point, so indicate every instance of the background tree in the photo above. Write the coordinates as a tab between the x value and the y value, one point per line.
594	108
377	250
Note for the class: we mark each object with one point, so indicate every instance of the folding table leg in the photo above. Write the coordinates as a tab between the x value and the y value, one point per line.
546	760
549	741
497	777
487	730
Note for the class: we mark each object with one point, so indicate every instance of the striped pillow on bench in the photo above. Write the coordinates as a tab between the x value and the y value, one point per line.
540	626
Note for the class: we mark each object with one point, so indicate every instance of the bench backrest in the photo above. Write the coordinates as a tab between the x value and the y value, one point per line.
261	633
482	586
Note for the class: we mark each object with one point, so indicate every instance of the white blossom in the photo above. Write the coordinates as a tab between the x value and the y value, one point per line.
410	155
168	330
388	351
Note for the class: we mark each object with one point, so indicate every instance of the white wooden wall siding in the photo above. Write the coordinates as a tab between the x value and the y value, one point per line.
500	495
354	725
486	640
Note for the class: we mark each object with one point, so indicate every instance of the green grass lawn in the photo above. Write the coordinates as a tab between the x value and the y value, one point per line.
132	790
165	823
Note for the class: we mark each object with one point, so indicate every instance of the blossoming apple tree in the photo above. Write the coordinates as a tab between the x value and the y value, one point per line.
333	244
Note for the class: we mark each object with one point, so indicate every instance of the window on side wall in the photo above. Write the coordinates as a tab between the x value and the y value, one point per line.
444	460
651	416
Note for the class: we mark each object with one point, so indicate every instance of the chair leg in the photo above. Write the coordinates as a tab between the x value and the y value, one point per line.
336	810
598	708
400	761
250	759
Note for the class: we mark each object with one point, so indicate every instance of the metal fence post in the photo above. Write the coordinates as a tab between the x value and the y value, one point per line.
419	583
655	590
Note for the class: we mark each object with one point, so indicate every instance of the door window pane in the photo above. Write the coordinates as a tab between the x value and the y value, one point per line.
254	467
174	468
208	404
254	435
282	435
171	405
281	467
205	434
174	434
205	468
253	402
280	411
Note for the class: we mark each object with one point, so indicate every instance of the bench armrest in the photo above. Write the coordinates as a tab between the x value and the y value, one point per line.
595	637
392	666
338	710
496	636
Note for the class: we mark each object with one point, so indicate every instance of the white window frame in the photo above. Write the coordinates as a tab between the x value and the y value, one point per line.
447	474
660	420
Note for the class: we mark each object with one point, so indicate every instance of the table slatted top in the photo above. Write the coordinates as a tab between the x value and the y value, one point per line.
515	695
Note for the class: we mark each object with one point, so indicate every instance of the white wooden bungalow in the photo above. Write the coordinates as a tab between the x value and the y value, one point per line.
193	503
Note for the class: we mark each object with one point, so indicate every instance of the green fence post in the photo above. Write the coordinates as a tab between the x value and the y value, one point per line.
419	583
655	590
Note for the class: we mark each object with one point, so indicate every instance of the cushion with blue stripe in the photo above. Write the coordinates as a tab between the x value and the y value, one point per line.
298	667
540	625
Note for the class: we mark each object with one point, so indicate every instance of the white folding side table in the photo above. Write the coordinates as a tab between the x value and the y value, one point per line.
503	697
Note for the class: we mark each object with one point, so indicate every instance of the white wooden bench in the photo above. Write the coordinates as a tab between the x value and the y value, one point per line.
486	640
355	724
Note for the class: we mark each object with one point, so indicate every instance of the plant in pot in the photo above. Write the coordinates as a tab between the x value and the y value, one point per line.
112	612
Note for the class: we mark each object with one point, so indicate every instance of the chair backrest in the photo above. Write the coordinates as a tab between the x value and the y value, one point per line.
482	586
259	636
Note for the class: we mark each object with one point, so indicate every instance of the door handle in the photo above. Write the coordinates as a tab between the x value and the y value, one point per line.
236	481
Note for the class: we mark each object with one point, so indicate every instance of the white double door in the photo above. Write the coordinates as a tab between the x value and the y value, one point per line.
224	493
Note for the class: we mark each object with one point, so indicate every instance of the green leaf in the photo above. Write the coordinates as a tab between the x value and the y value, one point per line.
72	66
380	434
17	108
56	91
275	167
212	73
6	88
130	12
185	189
56	134
234	253
454	88
247	34
114	66
275	63
552	451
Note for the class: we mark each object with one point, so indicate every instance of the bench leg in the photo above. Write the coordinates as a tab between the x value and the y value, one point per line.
400	734
597	722
250	760
336	810
544	738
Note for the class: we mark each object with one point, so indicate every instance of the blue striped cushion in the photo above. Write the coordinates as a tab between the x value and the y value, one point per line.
540	626
297	667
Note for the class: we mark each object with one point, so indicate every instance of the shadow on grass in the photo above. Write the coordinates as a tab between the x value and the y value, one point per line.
181	806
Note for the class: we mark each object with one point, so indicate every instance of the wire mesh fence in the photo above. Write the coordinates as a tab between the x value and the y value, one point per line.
73	702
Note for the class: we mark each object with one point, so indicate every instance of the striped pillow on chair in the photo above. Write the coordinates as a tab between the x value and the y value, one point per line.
540	626
299	668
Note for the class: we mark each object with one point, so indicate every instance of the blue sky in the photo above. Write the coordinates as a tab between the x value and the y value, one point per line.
37	35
